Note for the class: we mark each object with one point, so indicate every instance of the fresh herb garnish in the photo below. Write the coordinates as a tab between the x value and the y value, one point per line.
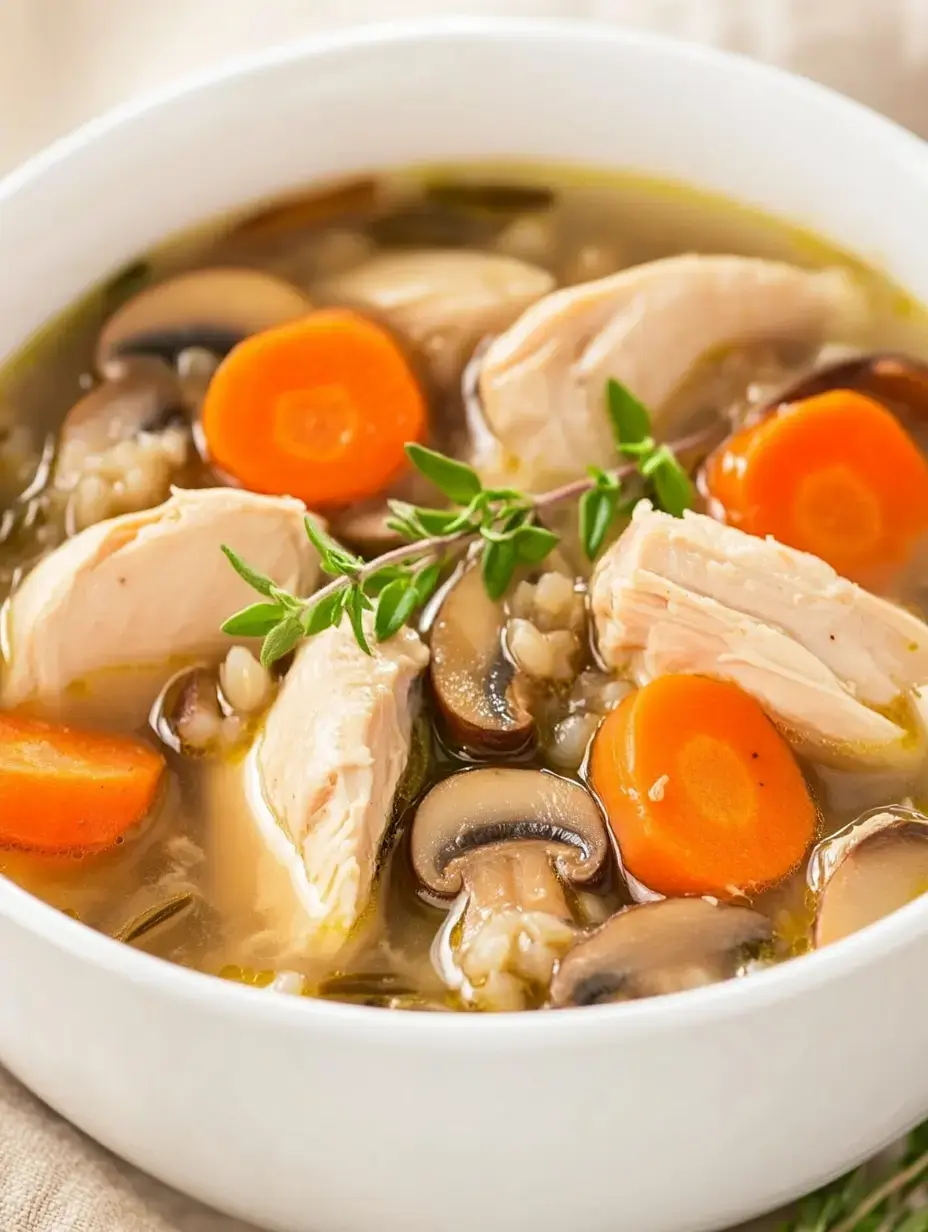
505	522
863	1201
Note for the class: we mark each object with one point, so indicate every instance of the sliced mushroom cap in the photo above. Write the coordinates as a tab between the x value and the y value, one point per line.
542	381
321	205
213	309
480	693
143	395
657	948
442	301
898	380
868	870
495	807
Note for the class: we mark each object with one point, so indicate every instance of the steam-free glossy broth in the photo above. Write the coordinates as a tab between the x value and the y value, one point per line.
198	880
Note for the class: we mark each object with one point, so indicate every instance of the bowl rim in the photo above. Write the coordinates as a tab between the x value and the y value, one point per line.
799	976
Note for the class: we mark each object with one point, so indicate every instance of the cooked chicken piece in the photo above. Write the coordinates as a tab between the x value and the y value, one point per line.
442	301
692	595
542	382
145	591
335	746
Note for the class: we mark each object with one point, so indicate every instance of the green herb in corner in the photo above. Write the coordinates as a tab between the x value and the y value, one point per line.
506	525
864	1202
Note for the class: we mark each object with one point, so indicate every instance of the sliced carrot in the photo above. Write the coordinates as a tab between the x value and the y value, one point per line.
319	409
68	790
703	794
835	475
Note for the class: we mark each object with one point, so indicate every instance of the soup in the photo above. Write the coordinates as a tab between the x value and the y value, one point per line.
470	590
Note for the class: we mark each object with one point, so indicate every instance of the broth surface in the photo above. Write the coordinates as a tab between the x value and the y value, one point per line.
187	885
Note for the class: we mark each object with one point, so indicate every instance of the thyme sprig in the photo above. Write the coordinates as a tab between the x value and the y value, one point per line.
507	523
864	1202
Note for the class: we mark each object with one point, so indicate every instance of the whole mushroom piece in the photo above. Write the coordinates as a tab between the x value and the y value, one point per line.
657	948
506	843
868	870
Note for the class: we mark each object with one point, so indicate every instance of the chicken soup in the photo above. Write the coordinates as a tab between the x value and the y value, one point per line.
470	589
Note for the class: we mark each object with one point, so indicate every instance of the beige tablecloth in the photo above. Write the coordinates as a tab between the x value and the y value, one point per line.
63	61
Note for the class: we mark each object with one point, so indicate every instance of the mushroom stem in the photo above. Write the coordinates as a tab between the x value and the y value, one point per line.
516	926
507	879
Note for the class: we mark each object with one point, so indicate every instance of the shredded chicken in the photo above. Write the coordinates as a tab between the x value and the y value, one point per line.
334	749
822	655
542	382
145	591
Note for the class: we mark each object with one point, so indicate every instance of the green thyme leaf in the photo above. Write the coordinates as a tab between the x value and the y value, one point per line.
354	606
396	604
640	451
425	582
324	614
598	509
630	418
498	565
254	621
425	521
672	486
533	543
281	640
333	557
603	478
408	530
256	580
457	480
376	582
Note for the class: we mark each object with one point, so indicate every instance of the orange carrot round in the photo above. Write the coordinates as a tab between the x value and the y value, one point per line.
63	790
703	794
835	475
319	409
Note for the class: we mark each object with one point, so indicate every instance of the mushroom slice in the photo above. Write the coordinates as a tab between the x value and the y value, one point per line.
506	841
442	301
658	948
542	381
142	395
868	870
480	694
213	309
898	380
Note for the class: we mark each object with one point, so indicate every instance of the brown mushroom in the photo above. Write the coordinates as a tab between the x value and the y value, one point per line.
301	210
142	395
507	837
482	696
658	948
506	842
868	870
212	309
898	380
189	715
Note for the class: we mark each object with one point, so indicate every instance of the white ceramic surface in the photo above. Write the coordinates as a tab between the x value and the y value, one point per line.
676	1114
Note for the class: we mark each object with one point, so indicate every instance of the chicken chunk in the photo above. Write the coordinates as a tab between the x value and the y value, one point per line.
542	382
334	749
442	301
145	591
827	659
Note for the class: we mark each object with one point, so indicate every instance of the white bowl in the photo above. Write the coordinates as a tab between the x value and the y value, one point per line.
685	1112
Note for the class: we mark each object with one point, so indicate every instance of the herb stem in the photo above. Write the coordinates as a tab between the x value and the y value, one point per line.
883	1193
439	545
